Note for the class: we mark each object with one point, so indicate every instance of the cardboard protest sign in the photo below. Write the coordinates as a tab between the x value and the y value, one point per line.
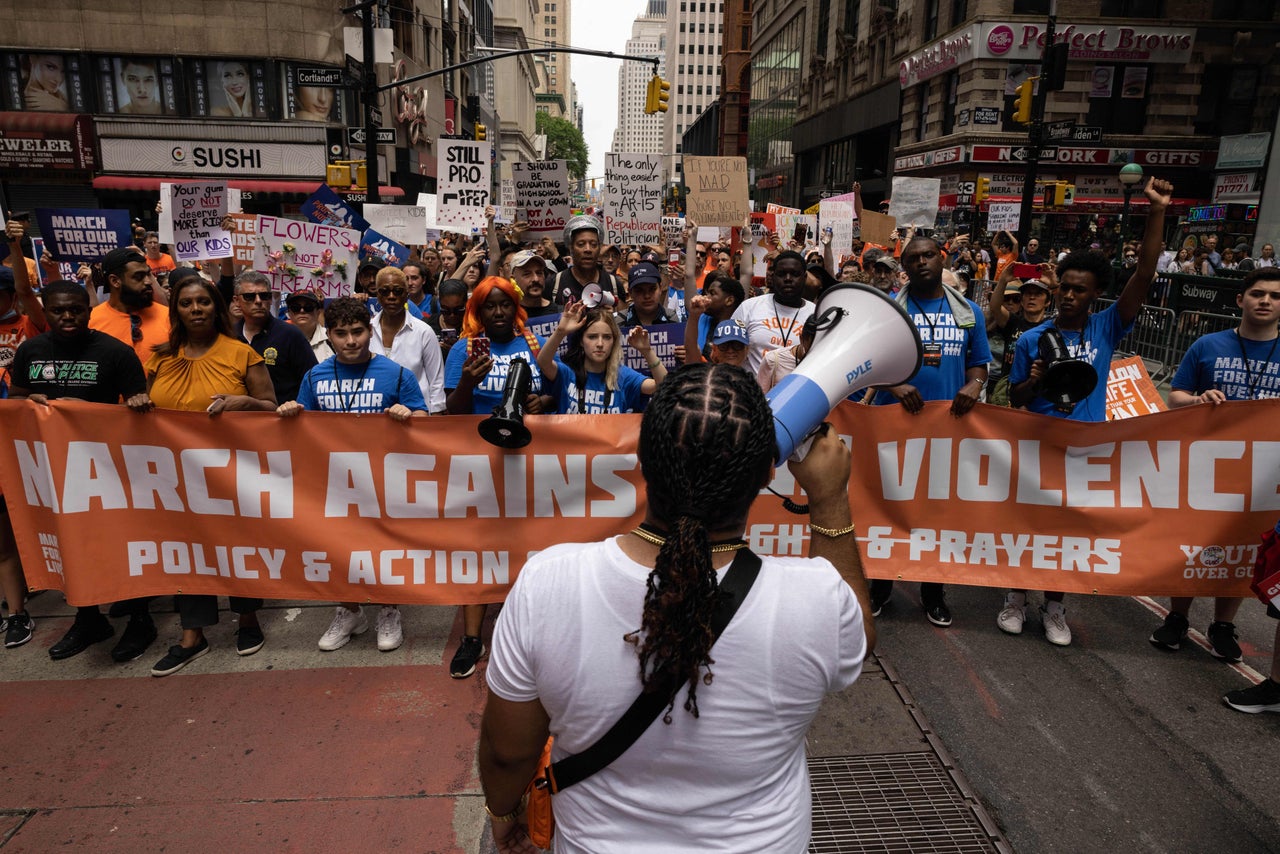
83	234
507	204
427	201
405	224
774	208
664	338
672	229
374	244
327	207
915	201
306	256
632	198
837	216
1004	216
1130	391
717	190
196	210
464	181
878	228
761	226
244	232
542	197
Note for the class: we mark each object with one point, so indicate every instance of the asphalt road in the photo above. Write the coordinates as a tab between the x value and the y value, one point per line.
1106	745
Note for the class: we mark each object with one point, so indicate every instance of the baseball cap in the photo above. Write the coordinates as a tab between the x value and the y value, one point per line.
644	273
294	299
1036	283
374	262
524	256
1014	287
727	331
888	262
6	280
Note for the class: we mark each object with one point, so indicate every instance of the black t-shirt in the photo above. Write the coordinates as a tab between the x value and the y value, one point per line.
1011	332
542	311
94	367
566	287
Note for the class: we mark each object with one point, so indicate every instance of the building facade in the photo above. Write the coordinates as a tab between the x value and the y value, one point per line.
695	34
636	130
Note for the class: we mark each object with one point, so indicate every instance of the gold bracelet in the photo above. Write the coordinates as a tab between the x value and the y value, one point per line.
511	816
830	532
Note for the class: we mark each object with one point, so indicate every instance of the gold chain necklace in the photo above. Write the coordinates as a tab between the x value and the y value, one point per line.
649	536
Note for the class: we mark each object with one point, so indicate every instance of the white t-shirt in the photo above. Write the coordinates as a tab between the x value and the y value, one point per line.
733	779
770	325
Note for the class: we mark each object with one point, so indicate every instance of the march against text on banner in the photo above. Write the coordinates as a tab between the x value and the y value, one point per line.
542	197
78	234
632	198
348	508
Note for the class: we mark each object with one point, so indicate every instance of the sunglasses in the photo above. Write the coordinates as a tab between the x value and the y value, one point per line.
135	328
453	311
255	296
302	307
391	292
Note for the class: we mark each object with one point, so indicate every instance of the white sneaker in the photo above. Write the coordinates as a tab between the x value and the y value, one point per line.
1014	613
390	635
1054	617
345	624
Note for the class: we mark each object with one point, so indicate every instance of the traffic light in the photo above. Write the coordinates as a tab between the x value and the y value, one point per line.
655	98
1022	104
982	191
1055	67
1063	194
346	173
482	132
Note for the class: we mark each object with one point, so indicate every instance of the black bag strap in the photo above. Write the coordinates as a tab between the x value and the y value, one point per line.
734	588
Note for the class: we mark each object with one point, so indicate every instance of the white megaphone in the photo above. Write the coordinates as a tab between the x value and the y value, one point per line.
863	339
594	295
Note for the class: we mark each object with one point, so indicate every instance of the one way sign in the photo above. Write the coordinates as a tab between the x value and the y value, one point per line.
385	136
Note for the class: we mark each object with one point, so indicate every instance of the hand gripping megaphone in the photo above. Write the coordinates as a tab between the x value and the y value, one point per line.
863	339
594	295
1066	381
505	427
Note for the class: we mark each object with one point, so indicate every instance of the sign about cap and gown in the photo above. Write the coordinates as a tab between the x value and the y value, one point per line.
542	197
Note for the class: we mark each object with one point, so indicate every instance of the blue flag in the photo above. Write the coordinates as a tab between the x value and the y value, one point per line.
328	208
375	244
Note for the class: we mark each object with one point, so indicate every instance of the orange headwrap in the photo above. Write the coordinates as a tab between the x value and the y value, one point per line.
472	326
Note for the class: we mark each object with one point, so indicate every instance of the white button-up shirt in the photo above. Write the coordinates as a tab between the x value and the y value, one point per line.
416	349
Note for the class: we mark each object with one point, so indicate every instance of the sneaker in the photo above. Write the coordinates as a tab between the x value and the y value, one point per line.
179	657
470	651
249	639
1263	697
139	634
390	634
880	592
938	613
80	637
1014	613
1054	618
19	630
1171	634
1222	642
345	624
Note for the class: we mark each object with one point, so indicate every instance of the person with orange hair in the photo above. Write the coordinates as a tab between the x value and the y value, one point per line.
493	336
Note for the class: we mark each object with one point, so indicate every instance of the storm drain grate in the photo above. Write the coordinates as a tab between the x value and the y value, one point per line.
895	802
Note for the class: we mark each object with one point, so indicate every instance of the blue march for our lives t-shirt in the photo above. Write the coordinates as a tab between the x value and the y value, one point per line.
369	387
488	393
1094	344
627	397
962	348
1218	361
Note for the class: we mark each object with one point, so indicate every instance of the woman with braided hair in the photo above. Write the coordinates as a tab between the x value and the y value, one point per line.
588	627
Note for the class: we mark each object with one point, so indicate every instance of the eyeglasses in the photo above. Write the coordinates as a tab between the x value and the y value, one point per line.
255	296
391	292
135	328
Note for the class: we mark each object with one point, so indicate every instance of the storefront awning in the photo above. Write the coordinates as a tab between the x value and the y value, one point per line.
147	184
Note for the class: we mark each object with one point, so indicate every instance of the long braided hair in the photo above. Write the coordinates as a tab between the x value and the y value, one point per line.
706	450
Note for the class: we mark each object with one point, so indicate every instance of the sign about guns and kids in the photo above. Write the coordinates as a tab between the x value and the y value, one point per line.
542	197
196	210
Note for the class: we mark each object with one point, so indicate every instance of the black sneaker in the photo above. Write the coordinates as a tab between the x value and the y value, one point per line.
179	657
1171	635
19	630
80	637
249	639
938	613
138	635
879	593
470	651
1263	697
1222	642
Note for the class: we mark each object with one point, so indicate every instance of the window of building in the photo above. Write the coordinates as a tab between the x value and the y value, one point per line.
1031	7
1243	10
681	71
682	48
402	26
1124	110
682	26
950	89
922	114
701	48
823	23
930	20
959	11
1227	93
1132	9
702	28
746	37
680	89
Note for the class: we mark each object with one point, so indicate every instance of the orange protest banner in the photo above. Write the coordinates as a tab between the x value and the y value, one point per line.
109	504
1130	391
1169	504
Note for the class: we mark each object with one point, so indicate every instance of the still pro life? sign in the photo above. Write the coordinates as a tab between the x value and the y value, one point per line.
464	176
717	190
197	210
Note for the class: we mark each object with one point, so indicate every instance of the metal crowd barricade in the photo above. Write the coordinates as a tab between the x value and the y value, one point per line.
980	292
1152	338
1194	324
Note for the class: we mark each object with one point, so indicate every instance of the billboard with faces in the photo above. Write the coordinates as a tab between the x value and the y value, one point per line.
137	85
228	88
44	82
313	103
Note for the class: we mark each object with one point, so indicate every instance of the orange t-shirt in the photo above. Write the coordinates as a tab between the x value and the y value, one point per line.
180	382
162	264
1003	261
33	275
13	332
119	325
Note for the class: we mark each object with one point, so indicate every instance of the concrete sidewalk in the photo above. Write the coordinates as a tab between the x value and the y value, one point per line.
295	750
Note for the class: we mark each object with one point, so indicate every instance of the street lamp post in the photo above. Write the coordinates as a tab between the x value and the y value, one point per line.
1130	175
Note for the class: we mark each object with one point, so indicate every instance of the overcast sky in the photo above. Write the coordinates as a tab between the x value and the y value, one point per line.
600	26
